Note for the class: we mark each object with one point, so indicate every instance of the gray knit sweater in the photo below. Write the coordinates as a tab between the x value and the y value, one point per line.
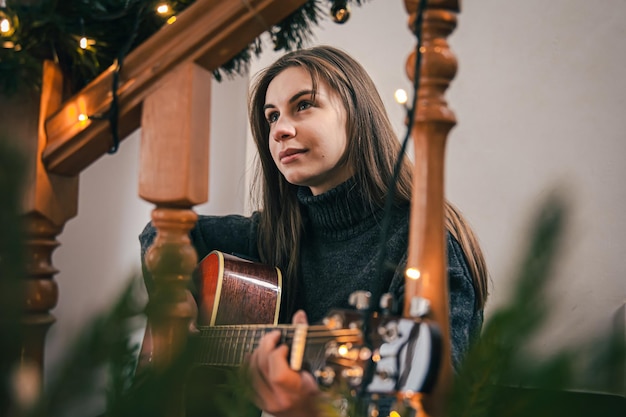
339	255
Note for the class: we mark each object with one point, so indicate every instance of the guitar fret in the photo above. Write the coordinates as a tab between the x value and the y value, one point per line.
218	358
229	349
235	350
228	352
244	346
225	347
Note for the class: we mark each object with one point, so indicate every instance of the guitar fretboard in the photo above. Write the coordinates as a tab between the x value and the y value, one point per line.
229	346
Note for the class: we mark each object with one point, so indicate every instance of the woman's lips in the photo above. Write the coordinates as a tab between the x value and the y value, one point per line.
290	155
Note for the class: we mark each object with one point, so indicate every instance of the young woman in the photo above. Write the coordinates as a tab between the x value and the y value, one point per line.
327	153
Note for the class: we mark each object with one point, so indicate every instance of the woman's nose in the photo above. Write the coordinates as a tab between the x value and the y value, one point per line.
283	129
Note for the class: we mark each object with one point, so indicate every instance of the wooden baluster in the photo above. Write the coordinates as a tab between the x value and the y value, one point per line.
433	121
49	202
174	176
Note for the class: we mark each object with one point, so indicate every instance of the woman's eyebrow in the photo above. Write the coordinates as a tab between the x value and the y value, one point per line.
293	98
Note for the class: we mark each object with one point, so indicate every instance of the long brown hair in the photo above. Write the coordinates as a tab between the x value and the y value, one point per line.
372	151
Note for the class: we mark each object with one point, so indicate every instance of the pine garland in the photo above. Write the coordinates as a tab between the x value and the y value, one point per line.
52	29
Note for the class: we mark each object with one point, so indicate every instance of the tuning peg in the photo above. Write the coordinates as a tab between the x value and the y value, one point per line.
353	375
419	307
325	376
389	332
372	410
387	304
360	300
334	322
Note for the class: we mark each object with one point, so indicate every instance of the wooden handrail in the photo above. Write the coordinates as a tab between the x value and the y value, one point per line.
209	33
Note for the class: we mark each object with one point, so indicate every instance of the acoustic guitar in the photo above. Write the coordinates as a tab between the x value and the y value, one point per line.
240	302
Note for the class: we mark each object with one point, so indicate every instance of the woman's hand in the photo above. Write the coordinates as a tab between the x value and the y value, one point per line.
193	307
279	390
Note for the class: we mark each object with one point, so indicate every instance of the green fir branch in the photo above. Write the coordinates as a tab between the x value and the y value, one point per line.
12	175
50	30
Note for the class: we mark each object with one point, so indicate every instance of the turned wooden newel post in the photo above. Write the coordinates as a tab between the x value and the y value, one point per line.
49	202
174	175
433	121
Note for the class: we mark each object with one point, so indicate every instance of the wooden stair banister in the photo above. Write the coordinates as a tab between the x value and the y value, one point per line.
58	146
208	32
432	123
49	202
174	173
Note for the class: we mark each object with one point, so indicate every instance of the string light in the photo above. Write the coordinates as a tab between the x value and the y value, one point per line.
413	273
401	96
343	350
8	21
340	11
5	26
163	9
82	117
85	42
16	30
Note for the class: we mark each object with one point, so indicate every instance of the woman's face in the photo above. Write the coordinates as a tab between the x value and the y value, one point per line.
307	137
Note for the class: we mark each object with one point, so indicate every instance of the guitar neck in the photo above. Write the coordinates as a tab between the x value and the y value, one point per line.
229	346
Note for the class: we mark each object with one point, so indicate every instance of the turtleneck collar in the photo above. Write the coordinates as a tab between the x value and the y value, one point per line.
339	213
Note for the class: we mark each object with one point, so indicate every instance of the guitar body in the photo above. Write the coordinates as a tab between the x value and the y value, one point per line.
236	291
232	291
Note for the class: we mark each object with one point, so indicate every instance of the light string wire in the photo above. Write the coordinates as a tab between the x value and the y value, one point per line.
112	115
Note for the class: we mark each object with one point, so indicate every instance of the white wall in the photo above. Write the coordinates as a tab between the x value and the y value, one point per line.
539	101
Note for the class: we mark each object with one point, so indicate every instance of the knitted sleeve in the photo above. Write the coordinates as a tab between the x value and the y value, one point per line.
232	234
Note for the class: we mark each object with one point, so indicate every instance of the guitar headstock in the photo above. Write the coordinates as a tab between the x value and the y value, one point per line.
394	355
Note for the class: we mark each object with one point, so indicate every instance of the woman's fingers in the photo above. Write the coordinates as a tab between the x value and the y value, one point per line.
299	317
259	366
193	321
278	389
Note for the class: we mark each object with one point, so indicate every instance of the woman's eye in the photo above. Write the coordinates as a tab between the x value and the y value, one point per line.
303	105
272	117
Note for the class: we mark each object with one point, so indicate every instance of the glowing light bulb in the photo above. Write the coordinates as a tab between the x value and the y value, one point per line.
82	117
343	350
401	96
85	42
413	273
5	26
163	8
171	20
